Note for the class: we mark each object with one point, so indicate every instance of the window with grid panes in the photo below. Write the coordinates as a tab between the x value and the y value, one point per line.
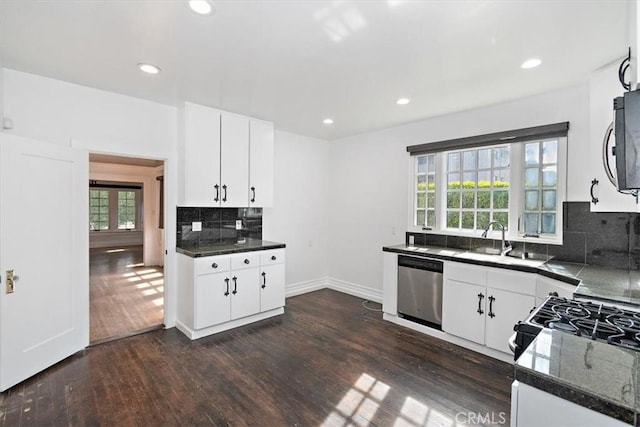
126	210
98	210
477	189
540	187
425	191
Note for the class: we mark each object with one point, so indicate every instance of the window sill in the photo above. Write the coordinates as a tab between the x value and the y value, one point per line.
493	235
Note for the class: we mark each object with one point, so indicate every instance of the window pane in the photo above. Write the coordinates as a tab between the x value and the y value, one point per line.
431	162
468	200
549	223
422	164
422	183
420	215
469	180
431	182
500	200
431	200
467	220
422	200
548	200
484	159
531	177
501	178
431	218
484	200
549	176
531	200
531	154
126	209
469	160
453	162
453	199
531	223
501	157
453	181
550	152
502	218
483	220
453	219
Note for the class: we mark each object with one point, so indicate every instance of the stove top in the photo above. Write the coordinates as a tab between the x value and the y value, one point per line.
595	321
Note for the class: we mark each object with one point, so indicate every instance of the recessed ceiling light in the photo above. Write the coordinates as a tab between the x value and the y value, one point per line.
328	121
531	63
201	7
403	101
149	68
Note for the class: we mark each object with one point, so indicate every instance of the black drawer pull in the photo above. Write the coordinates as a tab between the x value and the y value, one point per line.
264	280
246	261
214	265
273	258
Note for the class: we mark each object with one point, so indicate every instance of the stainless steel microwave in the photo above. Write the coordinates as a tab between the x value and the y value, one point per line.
627	140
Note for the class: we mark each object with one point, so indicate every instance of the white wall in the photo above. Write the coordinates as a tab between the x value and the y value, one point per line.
102	122
369	175
299	216
151	236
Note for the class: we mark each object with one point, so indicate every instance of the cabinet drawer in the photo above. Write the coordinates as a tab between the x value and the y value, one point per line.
245	260
512	281
272	257
212	264
465	273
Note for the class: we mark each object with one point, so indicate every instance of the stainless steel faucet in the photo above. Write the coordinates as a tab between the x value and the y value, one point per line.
506	246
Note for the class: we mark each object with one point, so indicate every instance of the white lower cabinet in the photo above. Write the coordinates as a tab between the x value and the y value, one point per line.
222	292
478	308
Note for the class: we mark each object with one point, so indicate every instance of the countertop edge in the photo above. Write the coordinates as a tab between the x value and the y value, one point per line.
228	251
574	394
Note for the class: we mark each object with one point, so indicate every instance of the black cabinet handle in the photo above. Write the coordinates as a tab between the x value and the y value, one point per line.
214	265
224	197
235	285
264	280
253	194
480	298
273	258
246	261
594	199
217	198
491	300
226	280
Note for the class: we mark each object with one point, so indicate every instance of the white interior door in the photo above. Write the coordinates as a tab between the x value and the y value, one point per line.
44	240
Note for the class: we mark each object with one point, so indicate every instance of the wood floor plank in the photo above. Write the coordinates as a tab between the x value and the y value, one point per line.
326	361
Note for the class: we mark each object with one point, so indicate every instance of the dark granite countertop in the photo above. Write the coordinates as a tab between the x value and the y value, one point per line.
593	374
228	248
591	281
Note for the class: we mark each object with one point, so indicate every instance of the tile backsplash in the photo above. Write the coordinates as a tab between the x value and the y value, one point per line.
599	238
218	225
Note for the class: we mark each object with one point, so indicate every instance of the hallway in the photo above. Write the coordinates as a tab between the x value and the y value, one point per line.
126	297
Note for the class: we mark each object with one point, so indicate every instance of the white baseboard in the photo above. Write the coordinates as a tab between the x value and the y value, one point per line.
349	288
305	287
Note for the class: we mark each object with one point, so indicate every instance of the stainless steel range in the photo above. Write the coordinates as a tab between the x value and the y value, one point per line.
588	319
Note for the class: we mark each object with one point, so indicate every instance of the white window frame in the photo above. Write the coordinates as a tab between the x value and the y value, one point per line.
516	196
113	211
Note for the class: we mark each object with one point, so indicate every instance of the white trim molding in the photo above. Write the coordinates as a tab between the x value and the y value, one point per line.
345	287
306	287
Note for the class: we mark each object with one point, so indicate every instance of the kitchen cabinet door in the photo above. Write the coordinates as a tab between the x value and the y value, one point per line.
201	151
271	287
504	310
463	310
245	292
234	160
261	159
212	300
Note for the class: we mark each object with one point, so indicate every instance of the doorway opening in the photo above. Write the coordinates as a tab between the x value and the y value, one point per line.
126	246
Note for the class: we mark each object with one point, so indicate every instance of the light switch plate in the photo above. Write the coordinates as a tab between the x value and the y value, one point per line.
238	224
412	240
196	226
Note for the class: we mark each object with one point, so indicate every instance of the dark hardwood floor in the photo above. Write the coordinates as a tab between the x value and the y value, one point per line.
125	296
326	361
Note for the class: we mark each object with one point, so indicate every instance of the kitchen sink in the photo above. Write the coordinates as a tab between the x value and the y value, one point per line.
493	255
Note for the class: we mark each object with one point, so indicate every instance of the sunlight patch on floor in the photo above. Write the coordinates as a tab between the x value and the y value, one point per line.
360	403
414	414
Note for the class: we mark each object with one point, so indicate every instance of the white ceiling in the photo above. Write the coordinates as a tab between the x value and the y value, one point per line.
297	62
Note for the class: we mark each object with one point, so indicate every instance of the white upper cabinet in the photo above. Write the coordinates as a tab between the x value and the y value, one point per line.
234	160
200	156
224	159
604	86
261	164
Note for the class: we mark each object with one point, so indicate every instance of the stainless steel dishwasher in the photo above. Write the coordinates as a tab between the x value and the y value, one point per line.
420	290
